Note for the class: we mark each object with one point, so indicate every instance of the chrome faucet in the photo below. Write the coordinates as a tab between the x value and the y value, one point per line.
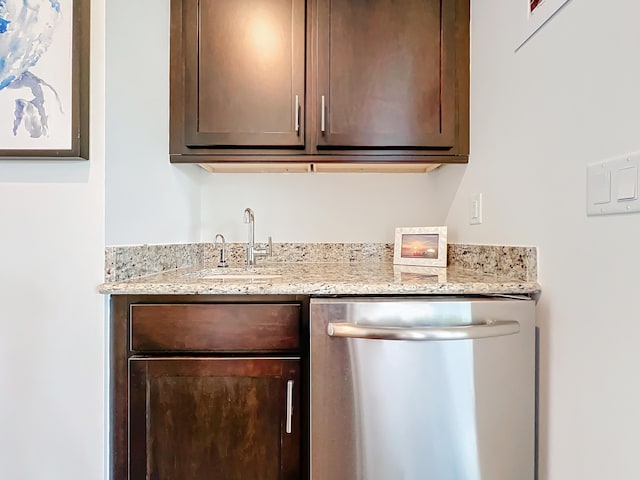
252	251
223	250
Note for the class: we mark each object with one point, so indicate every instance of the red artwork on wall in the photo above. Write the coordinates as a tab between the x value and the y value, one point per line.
533	15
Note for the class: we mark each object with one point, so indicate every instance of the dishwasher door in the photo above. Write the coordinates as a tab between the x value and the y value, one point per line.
422	388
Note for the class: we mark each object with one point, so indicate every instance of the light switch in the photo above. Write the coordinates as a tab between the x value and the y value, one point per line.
475	211
600	187
613	186
627	183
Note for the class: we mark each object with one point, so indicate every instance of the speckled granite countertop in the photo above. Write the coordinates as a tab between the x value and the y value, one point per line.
340	278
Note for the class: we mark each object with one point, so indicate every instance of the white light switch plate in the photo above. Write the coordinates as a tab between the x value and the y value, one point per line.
612	185
475	209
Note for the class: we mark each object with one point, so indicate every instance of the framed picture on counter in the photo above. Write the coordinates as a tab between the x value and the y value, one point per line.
423	275
420	246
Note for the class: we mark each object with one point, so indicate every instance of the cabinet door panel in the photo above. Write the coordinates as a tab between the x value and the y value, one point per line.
197	419
386	71
244	70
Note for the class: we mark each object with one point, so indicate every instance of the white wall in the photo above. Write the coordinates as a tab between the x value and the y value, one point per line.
52	339
567	98
538	116
324	207
148	200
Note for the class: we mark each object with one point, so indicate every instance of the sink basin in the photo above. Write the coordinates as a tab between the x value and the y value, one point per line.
239	276
235	273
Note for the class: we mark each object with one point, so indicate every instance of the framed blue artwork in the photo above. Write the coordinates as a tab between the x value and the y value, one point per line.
44	79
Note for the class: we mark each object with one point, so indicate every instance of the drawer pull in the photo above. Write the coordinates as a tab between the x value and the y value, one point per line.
322	118
297	114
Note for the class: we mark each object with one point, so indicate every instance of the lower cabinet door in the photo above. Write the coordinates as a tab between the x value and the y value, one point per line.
214	418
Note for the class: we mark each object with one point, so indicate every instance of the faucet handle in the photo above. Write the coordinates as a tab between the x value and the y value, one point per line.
264	252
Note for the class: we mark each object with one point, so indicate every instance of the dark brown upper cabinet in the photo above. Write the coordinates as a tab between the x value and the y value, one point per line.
243	73
321	81
385	74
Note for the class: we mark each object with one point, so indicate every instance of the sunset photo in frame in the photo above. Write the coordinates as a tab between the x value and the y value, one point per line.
420	246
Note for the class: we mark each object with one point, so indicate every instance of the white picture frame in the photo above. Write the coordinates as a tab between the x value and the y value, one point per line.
420	246
421	275
533	14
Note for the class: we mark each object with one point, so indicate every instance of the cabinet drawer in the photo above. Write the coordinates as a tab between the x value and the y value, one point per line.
214	327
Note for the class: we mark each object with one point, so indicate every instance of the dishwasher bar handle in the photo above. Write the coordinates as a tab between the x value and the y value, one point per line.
490	328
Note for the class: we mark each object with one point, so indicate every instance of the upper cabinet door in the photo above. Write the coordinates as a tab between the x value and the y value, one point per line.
386	74
244	73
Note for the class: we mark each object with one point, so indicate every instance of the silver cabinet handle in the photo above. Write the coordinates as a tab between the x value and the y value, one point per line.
490	328
297	114
322	117
289	406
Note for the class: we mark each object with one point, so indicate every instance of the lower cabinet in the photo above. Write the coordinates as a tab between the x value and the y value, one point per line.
207	389
214	418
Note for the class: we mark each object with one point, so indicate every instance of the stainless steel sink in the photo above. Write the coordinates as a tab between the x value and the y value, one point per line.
236	274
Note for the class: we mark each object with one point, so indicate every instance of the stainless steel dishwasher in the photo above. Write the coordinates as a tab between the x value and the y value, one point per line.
422	388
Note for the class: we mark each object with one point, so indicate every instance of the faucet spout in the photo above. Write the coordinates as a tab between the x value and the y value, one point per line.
252	251
250	219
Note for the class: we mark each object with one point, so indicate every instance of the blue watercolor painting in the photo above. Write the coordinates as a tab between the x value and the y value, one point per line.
27	29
